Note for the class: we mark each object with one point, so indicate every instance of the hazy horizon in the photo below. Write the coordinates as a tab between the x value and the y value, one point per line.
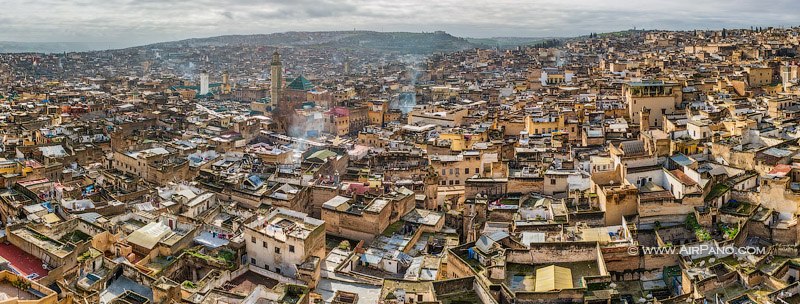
125	23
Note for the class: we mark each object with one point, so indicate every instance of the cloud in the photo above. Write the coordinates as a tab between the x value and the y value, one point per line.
131	22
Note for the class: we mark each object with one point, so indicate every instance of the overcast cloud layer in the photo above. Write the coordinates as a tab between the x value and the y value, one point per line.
134	22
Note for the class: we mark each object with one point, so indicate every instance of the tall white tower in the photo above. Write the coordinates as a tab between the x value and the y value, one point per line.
276	80
204	83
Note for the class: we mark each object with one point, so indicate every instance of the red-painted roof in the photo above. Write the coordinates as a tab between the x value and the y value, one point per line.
339	111
685	179
781	170
23	262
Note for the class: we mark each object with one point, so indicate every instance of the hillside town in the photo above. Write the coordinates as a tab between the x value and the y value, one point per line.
640	166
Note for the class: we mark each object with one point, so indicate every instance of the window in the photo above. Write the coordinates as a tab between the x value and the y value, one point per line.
252	239
291	248
466	171
253	261
278	270
552	181
266	266
458	182
444	171
277	250
264	243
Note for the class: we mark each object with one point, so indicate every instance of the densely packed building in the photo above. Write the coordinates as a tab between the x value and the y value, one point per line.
630	167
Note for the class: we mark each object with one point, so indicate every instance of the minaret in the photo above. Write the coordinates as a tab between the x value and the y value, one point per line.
276	78
204	83
226	83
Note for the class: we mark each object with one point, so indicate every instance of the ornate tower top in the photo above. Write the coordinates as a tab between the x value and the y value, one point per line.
276	58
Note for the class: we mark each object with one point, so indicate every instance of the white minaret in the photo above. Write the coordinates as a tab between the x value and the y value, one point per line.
276	80
204	83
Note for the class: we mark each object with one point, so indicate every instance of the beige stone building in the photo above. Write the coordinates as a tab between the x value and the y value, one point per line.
283	240
658	96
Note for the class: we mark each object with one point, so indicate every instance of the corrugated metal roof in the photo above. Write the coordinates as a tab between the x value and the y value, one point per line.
553	278
149	235
485	242
53	151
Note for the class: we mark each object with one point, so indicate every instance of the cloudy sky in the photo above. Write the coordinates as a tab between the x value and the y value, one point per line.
133	22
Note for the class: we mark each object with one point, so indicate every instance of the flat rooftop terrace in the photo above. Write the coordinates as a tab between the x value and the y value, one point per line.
21	261
247	282
521	277
8	291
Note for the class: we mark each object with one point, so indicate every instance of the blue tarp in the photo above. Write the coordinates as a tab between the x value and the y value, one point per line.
48	206
255	180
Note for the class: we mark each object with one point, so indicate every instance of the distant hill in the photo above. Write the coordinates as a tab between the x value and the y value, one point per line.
506	42
49	47
404	42
400	42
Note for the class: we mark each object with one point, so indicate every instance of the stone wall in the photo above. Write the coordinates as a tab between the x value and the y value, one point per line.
554	297
319	195
617	259
457	267
554	253
525	185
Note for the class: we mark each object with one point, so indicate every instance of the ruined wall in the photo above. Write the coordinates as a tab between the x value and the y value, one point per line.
742	160
774	194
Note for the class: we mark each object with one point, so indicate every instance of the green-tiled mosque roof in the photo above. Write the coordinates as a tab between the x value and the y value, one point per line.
300	83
